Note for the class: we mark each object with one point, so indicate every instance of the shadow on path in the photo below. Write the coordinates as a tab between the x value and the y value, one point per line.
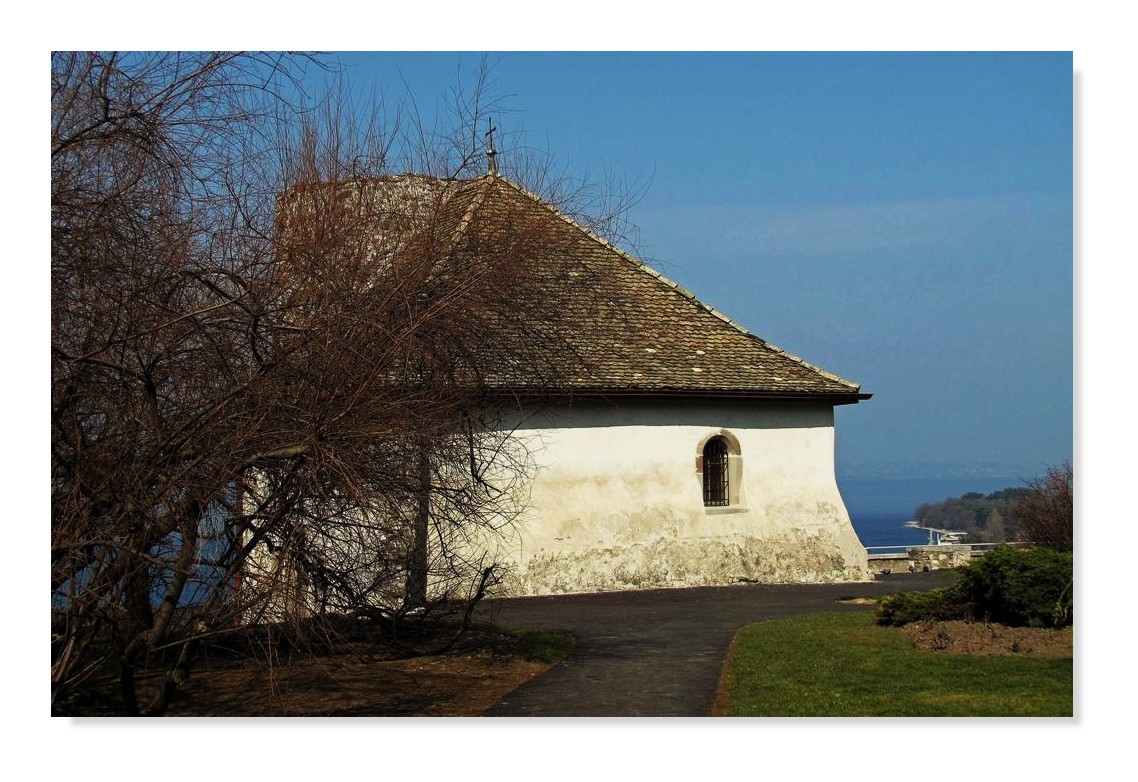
658	653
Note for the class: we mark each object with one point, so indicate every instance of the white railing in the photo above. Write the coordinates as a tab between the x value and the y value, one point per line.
904	549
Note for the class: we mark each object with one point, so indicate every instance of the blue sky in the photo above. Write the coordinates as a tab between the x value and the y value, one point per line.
901	219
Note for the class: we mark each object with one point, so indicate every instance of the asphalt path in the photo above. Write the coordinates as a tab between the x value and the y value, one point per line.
658	653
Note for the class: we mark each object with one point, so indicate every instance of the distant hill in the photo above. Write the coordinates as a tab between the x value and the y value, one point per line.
983	517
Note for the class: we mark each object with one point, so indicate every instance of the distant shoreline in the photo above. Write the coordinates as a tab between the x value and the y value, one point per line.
899	497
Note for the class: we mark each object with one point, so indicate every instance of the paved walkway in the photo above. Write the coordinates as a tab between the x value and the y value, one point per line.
658	653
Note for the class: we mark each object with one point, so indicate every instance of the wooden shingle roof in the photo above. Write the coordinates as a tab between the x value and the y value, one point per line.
636	332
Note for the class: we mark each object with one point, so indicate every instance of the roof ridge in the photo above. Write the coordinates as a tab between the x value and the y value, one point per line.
468	216
679	289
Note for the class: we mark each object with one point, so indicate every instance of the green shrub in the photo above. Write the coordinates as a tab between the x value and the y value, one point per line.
1019	587
905	607
1015	587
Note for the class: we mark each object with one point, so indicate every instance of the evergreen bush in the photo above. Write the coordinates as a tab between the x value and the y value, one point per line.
905	607
1015	587
1019	587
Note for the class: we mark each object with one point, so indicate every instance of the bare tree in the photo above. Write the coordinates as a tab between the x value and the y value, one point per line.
272	389
1045	512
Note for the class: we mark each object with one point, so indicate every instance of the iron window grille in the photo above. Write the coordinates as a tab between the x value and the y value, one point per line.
716	491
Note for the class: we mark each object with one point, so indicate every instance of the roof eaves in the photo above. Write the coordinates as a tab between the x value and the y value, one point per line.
829	375
587	392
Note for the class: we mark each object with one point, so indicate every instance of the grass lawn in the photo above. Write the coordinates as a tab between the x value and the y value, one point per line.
843	665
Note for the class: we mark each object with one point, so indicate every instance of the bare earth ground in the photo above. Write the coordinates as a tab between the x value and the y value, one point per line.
345	678
352	685
981	638
363	678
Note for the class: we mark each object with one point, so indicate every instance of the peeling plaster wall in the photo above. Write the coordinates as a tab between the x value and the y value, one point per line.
617	503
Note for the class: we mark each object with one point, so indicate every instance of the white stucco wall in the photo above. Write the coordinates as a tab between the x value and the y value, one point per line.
616	501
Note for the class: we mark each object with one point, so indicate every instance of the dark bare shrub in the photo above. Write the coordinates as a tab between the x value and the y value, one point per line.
1045	513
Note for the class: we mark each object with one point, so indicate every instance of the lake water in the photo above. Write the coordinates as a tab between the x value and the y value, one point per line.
885	529
879	507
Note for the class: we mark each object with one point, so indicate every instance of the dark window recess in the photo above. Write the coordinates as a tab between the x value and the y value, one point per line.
716	492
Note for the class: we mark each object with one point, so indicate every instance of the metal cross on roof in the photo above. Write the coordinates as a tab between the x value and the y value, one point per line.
491	153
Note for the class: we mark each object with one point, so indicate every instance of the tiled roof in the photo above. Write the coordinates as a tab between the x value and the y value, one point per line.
634	331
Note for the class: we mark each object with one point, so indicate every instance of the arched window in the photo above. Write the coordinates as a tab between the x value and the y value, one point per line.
716	473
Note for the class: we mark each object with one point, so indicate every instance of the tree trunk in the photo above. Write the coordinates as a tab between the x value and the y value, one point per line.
417	566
